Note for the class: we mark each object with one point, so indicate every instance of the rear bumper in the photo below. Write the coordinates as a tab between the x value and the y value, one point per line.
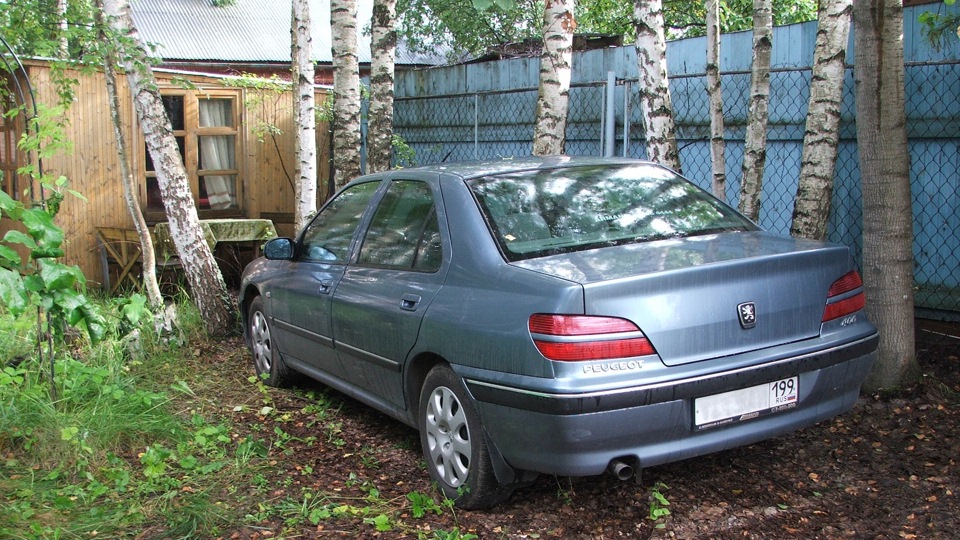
579	434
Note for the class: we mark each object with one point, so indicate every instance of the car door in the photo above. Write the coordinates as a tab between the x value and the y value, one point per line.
382	296
302	301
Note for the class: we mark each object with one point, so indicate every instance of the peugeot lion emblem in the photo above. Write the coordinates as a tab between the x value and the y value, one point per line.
747	312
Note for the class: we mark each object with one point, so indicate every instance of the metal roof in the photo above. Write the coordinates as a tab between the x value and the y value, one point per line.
249	31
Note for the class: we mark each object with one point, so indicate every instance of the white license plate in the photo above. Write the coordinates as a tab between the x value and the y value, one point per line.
747	403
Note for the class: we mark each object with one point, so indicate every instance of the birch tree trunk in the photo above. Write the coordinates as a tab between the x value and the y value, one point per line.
717	146
755	143
655	104
150	284
811	211
206	282
346	92
550	128
63	45
885	177
304	114
384	53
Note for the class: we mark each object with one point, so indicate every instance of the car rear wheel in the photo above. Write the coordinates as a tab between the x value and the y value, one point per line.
454	445
266	359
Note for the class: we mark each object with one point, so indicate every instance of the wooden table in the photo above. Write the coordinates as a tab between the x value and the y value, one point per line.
227	238
119	258
219	231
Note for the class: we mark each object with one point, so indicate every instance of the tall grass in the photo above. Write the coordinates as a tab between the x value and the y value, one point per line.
140	443
107	456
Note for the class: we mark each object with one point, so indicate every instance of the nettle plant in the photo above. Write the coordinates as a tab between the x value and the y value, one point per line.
41	281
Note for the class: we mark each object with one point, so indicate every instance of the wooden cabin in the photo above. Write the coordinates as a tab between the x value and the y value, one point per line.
236	137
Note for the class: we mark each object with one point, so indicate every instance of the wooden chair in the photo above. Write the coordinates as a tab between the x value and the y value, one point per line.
120	255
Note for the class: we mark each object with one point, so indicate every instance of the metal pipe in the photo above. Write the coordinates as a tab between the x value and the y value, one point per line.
620	469
610	116
626	117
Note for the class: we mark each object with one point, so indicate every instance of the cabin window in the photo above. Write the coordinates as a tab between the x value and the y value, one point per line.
205	127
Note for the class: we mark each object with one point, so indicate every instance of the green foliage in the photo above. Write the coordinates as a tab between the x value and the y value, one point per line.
940	27
658	503
37	30
40	280
404	155
474	26
110	455
421	504
263	91
460	26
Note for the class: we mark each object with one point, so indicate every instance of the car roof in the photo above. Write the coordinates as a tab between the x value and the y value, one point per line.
473	169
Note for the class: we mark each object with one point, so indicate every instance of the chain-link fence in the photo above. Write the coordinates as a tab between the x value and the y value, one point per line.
499	124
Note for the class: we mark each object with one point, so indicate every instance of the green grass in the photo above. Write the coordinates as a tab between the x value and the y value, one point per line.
140	443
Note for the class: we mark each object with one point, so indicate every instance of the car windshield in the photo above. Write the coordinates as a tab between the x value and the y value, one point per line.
546	212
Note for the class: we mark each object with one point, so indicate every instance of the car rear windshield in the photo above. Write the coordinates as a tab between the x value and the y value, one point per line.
551	211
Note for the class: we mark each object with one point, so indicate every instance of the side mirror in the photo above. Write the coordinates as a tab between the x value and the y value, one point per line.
278	249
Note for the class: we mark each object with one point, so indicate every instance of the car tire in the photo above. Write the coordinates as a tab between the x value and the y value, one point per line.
454	444
267	363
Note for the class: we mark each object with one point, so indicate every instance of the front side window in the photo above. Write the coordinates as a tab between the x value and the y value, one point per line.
404	233
205	129
328	237
545	212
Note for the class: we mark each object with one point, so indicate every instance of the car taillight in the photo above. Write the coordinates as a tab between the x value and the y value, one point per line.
841	308
574	338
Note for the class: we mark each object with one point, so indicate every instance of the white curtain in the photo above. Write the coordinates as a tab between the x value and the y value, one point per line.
218	152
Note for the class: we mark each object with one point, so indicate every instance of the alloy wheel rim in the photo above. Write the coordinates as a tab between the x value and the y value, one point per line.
448	437
260	333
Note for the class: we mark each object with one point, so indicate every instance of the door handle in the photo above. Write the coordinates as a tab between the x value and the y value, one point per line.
409	302
325	286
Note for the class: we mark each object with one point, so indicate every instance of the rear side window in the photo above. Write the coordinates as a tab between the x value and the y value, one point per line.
329	235
404	232
546	212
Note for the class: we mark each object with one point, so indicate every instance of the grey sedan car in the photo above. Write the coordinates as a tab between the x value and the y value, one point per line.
566	316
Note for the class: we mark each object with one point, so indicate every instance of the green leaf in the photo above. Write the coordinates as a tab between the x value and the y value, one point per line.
19	237
41	227
10	256
382	522
58	276
13	293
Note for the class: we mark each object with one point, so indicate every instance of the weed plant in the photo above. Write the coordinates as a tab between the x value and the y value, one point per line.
108	456
139	443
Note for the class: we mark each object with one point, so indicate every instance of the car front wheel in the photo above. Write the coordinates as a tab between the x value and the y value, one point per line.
266	359
454	445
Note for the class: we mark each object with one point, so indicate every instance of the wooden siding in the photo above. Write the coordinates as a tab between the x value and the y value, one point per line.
92	168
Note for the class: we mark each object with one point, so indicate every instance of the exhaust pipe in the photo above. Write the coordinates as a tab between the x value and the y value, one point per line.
620	469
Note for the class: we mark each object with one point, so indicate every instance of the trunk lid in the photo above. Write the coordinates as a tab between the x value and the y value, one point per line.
684	294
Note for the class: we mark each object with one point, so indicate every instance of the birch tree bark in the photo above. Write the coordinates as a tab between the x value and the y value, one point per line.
755	143
811	211
550	129
150	284
885	179
206	282
384	53
655	105
63	45
304	114
346	92
715	97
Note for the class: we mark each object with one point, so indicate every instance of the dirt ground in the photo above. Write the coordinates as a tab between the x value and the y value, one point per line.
886	469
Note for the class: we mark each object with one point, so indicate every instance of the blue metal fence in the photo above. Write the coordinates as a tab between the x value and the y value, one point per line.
487	111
